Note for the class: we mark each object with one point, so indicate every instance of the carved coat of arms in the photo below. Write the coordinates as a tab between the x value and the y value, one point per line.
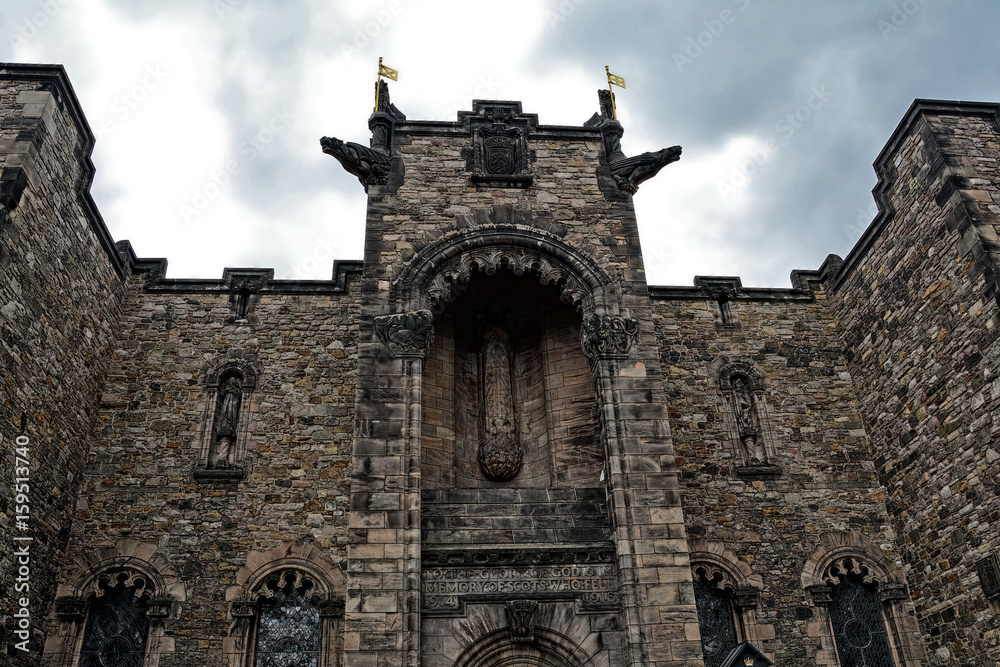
500	152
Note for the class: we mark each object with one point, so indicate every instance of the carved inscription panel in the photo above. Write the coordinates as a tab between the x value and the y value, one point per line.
593	584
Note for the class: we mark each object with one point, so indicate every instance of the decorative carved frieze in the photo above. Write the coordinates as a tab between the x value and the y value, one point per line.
498	556
521	619
488	260
607	336
443	589
406	334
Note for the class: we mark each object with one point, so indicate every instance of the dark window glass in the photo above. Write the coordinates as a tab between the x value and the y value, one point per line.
858	625
715	621
288	630
117	626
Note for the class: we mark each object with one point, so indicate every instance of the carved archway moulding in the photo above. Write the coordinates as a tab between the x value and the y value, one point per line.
431	277
327	578
249	368
723	368
722	566
140	558
843	552
548	649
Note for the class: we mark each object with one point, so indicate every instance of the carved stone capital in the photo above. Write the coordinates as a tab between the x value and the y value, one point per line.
521	617
243	608
820	594
746	598
71	608
607	336
406	334
887	592
331	608
158	608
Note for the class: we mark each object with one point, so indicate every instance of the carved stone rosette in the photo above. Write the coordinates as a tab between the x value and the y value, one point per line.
521	617
406	334
500	455
607	336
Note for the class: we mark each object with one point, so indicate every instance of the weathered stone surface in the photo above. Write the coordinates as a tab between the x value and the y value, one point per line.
763	444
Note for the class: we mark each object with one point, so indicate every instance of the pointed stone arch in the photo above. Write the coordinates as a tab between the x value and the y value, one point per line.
548	649
130	563
297	565
435	275
841	554
736	580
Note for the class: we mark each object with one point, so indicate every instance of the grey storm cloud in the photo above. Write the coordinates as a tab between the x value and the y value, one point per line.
818	86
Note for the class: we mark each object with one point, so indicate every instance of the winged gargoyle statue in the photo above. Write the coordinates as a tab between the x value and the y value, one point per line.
628	172
368	164
372	165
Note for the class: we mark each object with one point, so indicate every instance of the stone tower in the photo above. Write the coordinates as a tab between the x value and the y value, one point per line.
514	494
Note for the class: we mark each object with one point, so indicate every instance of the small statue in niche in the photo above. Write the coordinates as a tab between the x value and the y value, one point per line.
747	419
500	455
222	453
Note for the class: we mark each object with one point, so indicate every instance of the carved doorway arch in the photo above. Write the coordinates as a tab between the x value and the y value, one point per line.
548	649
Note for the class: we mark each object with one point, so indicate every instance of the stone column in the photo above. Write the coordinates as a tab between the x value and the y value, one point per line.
382	615
643	497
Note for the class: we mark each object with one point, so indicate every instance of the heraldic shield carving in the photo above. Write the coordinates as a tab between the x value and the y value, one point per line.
500	156
500	143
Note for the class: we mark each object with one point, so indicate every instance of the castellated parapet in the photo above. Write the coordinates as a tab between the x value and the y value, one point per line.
489	442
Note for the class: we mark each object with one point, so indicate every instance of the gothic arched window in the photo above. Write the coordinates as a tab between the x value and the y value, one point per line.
715	618
288	624
117	622
287	611
858	623
726	594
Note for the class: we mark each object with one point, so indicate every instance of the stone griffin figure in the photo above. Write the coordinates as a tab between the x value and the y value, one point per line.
369	165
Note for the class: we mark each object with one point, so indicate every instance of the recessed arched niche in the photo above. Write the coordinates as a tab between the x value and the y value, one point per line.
505	372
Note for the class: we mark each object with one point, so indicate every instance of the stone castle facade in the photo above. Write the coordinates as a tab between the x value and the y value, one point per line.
490	443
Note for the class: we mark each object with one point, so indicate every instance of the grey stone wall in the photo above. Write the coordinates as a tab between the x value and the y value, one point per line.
819	478
141	480
60	291
917	304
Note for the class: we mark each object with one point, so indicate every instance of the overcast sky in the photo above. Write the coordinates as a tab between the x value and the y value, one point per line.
208	113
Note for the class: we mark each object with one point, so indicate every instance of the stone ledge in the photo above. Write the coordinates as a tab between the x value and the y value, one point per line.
218	476
759	471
